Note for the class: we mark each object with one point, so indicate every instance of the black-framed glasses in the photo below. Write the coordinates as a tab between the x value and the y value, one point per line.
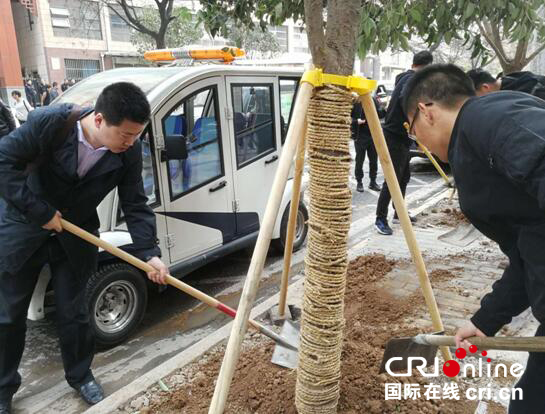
411	125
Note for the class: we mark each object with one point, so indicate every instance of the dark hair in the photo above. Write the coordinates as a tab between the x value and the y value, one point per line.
55	84
123	100
422	58
480	76
16	93
444	84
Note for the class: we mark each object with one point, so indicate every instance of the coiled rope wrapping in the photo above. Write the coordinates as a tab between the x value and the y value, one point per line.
318	373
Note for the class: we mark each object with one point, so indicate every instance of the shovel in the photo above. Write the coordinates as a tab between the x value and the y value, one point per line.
289	345
425	346
462	235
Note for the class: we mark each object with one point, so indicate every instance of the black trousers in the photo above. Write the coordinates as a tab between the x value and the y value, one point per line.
400	155
532	384
363	145
75	333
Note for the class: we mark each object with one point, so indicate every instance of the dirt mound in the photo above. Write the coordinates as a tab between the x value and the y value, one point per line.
372	317
444	214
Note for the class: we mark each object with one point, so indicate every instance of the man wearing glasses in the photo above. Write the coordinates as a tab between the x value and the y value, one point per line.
495	145
398	141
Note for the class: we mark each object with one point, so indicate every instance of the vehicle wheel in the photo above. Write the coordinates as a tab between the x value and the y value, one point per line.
117	297
301	228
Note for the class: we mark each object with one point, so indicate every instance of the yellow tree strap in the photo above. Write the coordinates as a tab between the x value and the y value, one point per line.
358	84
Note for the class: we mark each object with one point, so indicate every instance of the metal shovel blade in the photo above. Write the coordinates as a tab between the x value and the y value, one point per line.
283	356
461	236
404	348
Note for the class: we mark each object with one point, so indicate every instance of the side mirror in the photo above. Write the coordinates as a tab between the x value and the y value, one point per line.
175	148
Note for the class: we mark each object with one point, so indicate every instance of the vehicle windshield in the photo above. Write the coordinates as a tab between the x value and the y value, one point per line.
85	92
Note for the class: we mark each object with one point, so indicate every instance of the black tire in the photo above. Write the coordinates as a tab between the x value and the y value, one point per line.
117	296
301	229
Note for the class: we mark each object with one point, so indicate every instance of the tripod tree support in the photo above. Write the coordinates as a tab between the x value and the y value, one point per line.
399	203
255	270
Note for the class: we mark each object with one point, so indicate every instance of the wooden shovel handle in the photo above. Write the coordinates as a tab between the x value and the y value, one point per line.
140	264
528	344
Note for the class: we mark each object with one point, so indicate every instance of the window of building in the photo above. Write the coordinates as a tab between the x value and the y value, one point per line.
60	17
80	68
281	34
120	30
74	18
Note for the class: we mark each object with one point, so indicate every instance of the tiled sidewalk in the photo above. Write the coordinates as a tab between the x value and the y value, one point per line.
473	269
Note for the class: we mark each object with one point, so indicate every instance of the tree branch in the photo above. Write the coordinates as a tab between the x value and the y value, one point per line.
489	40
494	28
520	53
534	54
132	20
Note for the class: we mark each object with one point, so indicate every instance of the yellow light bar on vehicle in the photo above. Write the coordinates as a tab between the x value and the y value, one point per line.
226	54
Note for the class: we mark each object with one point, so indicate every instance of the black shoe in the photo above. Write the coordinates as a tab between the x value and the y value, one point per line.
5	407
359	187
91	392
396	219
374	186
382	227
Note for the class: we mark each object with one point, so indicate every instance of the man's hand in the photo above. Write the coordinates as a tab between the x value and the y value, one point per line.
466	332
361	121
161	271
54	223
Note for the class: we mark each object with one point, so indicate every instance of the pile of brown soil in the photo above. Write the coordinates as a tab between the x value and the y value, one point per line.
372	317
444	214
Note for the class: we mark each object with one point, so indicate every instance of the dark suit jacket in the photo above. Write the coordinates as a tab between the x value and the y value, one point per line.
33	197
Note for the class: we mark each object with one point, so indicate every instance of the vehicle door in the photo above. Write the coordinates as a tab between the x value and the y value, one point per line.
197	190
255	144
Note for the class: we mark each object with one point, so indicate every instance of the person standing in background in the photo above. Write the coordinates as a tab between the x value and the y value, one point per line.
54	92
7	122
30	93
22	107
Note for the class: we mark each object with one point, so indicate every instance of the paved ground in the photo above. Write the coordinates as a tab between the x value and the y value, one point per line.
174	321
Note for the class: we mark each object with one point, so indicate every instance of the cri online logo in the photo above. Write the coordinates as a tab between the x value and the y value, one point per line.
451	368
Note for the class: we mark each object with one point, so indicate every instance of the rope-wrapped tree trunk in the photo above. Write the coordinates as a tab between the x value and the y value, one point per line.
326	261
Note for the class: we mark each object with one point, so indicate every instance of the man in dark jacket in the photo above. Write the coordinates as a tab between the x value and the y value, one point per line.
495	146
61	163
398	141
363	142
31	94
526	81
7	121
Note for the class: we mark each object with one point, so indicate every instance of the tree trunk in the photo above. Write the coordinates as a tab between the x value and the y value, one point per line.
333	50
512	66
160	41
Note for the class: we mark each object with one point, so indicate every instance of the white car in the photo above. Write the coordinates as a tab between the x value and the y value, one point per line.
210	155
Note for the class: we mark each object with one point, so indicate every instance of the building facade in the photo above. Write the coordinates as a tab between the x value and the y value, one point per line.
73	39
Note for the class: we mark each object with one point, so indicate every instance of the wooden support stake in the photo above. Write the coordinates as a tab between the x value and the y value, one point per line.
251	284
401	209
292	222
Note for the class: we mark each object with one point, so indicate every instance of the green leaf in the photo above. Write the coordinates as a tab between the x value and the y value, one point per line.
416	15
513	11
278	9
470	10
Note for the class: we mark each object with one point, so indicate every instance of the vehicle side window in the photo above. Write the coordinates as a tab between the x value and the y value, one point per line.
149	174
253	118
195	121
288	91
149	177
